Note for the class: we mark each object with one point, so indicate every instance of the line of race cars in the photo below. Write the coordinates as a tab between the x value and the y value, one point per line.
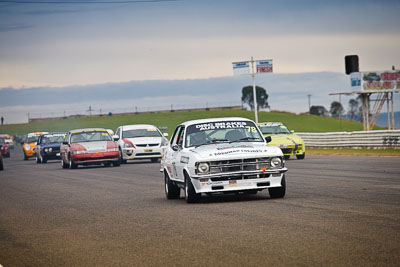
207	156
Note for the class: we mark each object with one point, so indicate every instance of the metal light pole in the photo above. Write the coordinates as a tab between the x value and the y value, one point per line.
309	103
254	89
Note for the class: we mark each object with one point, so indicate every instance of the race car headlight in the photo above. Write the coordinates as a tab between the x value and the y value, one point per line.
128	145
203	167
46	150
276	163
27	147
78	152
112	149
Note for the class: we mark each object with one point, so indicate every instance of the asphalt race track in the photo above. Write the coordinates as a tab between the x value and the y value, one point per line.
338	210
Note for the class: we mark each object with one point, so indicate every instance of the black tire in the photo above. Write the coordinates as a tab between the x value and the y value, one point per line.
25	156
154	160
286	156
301	156
44	160
171	190
190	193
71	163
63	164
38	160
121	158
116	163
107	164
8	154
1	165
278	192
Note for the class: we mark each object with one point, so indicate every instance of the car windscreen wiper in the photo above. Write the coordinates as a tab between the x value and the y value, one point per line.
219	140
245	139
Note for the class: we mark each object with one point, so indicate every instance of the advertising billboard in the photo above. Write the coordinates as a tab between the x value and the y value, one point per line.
381	80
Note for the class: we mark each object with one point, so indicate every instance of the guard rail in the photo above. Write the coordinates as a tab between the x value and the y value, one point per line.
386	139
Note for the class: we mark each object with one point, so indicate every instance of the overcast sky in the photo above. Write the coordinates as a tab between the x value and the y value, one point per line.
78	44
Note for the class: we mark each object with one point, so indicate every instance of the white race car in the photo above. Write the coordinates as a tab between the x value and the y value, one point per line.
141	141
221	155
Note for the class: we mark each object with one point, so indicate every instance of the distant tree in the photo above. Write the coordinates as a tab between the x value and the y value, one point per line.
261	94
319	111
354	110
336	109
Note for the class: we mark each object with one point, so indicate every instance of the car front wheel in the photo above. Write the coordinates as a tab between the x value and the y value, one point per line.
278	192
121	158
190	193
301	156
71	163
63	164
171	190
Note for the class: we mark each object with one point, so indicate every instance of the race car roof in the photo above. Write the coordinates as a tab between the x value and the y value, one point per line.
214	120
270	124
138	126
88	130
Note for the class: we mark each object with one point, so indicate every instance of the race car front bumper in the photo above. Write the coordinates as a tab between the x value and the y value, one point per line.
238	181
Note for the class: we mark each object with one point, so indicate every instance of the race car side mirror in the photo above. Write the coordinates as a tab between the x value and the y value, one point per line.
175	147
65	142
268	139
115	137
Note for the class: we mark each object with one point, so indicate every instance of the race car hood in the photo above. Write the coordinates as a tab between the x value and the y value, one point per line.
144	140
233	150
98	146
285	139
51	145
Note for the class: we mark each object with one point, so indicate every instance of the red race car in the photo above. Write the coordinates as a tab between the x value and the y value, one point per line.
5	148
89	147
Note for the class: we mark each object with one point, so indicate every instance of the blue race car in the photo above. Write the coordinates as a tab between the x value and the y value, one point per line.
48	147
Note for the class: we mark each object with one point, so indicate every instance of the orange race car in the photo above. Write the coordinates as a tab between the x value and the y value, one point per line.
29	145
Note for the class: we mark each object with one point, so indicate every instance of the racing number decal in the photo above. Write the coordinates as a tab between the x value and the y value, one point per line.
251	129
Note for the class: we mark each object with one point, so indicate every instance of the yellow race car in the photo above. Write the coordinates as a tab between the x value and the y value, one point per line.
29	145
282	137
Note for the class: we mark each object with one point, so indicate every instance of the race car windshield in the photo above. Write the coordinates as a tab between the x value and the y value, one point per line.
47	139
150	132
2	140
221	132
277	129
32	139
90	137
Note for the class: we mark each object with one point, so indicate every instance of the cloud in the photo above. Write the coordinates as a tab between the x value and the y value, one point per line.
15	27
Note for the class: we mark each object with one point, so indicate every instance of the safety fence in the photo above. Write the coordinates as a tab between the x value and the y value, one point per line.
388	139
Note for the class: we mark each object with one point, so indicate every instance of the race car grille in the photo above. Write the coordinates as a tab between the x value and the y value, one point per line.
236	165
148	154
147	145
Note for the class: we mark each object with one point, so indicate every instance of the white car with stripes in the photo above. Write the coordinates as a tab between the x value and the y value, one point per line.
221	155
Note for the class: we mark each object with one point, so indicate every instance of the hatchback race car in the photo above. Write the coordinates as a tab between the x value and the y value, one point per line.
48	147
141	141
5	148
221	155
92	146
29	145
282	137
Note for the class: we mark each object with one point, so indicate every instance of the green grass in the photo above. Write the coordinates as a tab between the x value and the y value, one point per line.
299	123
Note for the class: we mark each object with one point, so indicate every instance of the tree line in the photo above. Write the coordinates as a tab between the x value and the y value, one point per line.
336	110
